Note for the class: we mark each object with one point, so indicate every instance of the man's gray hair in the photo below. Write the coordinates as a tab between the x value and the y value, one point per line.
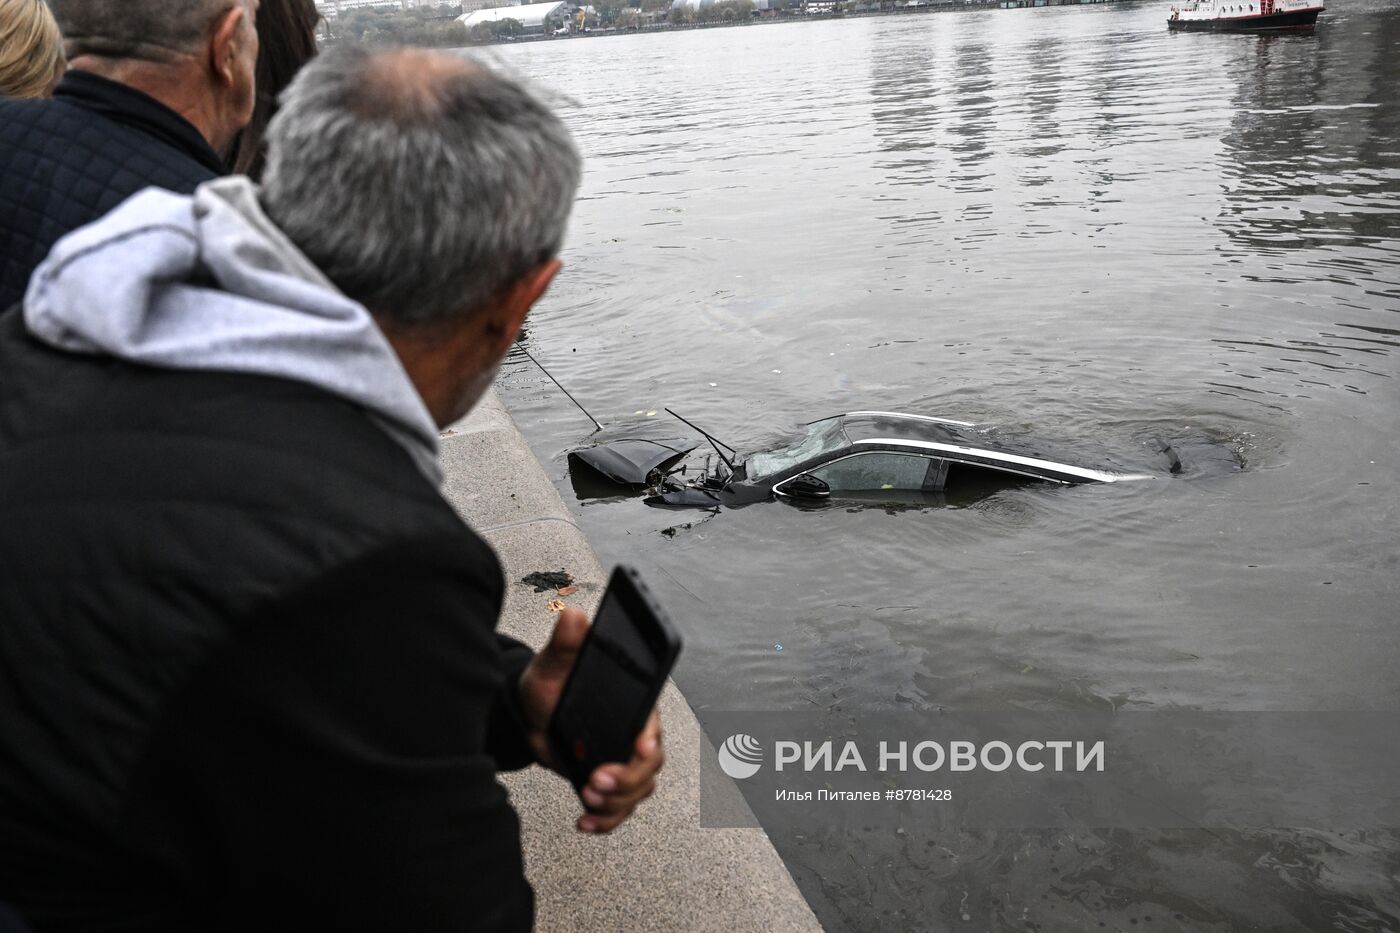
422	184
152	30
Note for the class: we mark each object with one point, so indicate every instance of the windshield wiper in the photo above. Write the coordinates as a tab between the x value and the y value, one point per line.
714	442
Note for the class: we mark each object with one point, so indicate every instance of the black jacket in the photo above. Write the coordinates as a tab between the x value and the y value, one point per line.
67	161
248	672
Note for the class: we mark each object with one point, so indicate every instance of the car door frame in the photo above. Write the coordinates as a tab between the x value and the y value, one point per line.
847	454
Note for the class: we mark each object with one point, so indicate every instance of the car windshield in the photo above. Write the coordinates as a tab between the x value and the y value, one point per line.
822	437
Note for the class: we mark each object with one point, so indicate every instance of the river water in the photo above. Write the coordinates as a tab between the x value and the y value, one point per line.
1067	221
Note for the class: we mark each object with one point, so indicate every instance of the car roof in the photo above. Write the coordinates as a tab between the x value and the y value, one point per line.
867	425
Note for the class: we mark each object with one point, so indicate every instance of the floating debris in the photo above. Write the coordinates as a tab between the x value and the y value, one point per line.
677	529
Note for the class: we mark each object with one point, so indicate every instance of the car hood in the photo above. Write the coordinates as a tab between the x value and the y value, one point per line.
631	460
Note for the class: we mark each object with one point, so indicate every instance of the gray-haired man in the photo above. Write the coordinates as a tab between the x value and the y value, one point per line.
154	95
247	657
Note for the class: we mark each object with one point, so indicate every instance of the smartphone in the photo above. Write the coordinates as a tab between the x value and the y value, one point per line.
625	660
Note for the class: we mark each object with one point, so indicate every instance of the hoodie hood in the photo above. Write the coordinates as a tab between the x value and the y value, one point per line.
209	282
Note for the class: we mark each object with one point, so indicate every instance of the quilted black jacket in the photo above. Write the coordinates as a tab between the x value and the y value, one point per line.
67	161
248	672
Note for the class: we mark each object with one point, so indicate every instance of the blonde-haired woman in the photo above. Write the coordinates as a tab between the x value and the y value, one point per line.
31	49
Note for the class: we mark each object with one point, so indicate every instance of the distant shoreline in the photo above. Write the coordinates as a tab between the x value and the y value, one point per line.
959	6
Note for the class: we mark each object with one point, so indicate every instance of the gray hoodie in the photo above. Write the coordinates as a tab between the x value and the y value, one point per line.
209	282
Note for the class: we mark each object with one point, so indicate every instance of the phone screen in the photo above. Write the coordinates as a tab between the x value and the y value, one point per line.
612	687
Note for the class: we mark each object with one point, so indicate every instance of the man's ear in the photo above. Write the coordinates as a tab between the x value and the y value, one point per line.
224	43
517	301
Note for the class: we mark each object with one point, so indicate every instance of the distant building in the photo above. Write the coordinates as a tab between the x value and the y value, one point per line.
330	8
471	6
534	18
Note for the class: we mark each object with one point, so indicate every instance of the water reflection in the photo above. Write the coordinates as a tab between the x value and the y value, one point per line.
971	126
1274	144
905	103
1045	60
1312	143
1310	204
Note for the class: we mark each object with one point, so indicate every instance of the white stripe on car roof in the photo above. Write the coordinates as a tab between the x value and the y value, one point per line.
900	414
1102	476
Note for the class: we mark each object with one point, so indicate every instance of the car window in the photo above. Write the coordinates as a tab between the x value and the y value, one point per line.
876	471
822	437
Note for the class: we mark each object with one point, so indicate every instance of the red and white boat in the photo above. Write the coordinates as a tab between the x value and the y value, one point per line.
1245	15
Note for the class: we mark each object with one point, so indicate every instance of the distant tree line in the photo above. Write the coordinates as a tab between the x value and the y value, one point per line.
505	28
380	26
722	11
439	28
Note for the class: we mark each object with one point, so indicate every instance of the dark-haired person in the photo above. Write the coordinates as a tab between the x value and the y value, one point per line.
154	92
286	42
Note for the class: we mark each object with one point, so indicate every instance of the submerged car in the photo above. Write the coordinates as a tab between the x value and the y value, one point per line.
874	455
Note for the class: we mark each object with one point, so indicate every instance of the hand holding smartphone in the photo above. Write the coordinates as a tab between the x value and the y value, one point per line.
624	662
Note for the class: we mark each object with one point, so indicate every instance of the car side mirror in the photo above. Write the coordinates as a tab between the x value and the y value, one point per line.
807	486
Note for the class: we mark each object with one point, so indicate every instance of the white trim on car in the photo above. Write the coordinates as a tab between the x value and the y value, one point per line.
1102	476
898	414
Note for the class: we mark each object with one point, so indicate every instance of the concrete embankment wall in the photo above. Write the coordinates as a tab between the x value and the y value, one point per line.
660	870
